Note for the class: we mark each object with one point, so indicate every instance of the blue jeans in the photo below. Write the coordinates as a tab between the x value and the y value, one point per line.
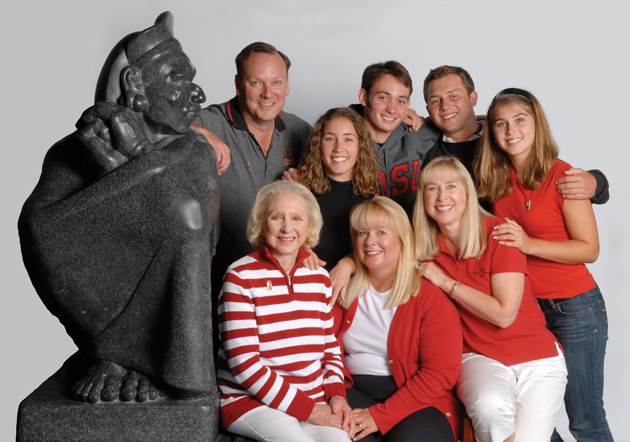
581	325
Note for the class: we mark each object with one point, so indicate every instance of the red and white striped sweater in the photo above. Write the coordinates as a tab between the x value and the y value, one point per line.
277	342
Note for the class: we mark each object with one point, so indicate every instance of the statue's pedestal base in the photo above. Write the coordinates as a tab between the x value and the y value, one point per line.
51	414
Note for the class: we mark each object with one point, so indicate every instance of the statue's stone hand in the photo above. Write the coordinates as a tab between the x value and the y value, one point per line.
113	134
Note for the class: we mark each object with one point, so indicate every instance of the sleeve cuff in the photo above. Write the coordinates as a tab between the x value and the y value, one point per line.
601	193
381	423
302	407
336	389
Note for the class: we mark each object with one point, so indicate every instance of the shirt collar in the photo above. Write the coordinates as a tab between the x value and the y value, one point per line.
473	137
264	252
237	120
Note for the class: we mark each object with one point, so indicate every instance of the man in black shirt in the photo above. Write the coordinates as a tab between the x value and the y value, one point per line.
449	92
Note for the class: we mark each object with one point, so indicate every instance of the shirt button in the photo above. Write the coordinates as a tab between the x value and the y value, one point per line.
390	362
448	414
348	321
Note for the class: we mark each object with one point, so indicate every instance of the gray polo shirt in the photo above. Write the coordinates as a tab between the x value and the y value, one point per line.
249	171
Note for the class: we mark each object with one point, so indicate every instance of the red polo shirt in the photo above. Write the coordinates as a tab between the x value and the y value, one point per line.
544	220
527	339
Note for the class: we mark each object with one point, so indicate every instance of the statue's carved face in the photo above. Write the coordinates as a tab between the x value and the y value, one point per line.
173	100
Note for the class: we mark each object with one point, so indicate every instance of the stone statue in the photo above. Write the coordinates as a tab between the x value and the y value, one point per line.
119	233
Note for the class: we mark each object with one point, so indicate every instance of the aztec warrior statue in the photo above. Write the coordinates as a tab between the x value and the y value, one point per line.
119	233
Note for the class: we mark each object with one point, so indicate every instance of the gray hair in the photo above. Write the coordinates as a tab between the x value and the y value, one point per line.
261	205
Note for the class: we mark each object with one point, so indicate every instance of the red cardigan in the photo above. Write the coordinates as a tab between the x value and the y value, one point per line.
424	347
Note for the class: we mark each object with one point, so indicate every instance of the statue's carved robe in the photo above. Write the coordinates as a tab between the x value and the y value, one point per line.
124	260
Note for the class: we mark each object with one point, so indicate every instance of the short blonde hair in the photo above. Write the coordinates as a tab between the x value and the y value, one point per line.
472	238
259	212
406	277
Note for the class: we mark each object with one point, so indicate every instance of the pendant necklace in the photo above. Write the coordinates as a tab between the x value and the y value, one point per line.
528	198
528	203
527	193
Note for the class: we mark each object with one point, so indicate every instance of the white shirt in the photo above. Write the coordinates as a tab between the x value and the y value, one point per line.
365	342
473	137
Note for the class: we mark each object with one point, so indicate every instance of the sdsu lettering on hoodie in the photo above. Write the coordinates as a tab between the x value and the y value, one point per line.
401	157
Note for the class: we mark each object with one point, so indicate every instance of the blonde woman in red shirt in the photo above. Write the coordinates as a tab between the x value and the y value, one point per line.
517	169
513	373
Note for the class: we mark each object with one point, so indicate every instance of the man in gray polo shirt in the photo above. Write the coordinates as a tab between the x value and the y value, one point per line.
263	141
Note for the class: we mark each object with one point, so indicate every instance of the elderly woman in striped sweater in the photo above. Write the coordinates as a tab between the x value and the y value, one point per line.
280	368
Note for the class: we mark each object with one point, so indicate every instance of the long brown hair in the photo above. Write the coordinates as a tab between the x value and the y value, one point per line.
365	177
492	165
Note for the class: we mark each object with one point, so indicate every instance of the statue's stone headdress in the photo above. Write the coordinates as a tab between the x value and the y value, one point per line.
137	49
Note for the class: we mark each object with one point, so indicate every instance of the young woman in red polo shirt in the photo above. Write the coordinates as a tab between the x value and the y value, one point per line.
517	168
513	373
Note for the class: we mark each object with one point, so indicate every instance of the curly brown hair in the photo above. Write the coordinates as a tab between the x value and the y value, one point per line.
365	177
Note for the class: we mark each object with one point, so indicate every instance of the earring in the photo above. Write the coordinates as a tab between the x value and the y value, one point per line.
139	103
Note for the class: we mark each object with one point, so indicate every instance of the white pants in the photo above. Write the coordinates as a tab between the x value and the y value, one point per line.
270	425
523	398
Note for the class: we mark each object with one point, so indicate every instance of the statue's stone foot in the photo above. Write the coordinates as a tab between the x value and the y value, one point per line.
102	380
108	381
138	387
52	413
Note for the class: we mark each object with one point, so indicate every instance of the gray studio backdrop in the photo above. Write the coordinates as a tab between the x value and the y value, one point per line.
572	55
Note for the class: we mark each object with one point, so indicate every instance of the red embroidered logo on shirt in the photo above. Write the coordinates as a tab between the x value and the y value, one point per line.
481	272
288	159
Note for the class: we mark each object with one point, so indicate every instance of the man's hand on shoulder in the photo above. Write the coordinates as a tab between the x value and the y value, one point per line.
413	120
577	184
220	148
